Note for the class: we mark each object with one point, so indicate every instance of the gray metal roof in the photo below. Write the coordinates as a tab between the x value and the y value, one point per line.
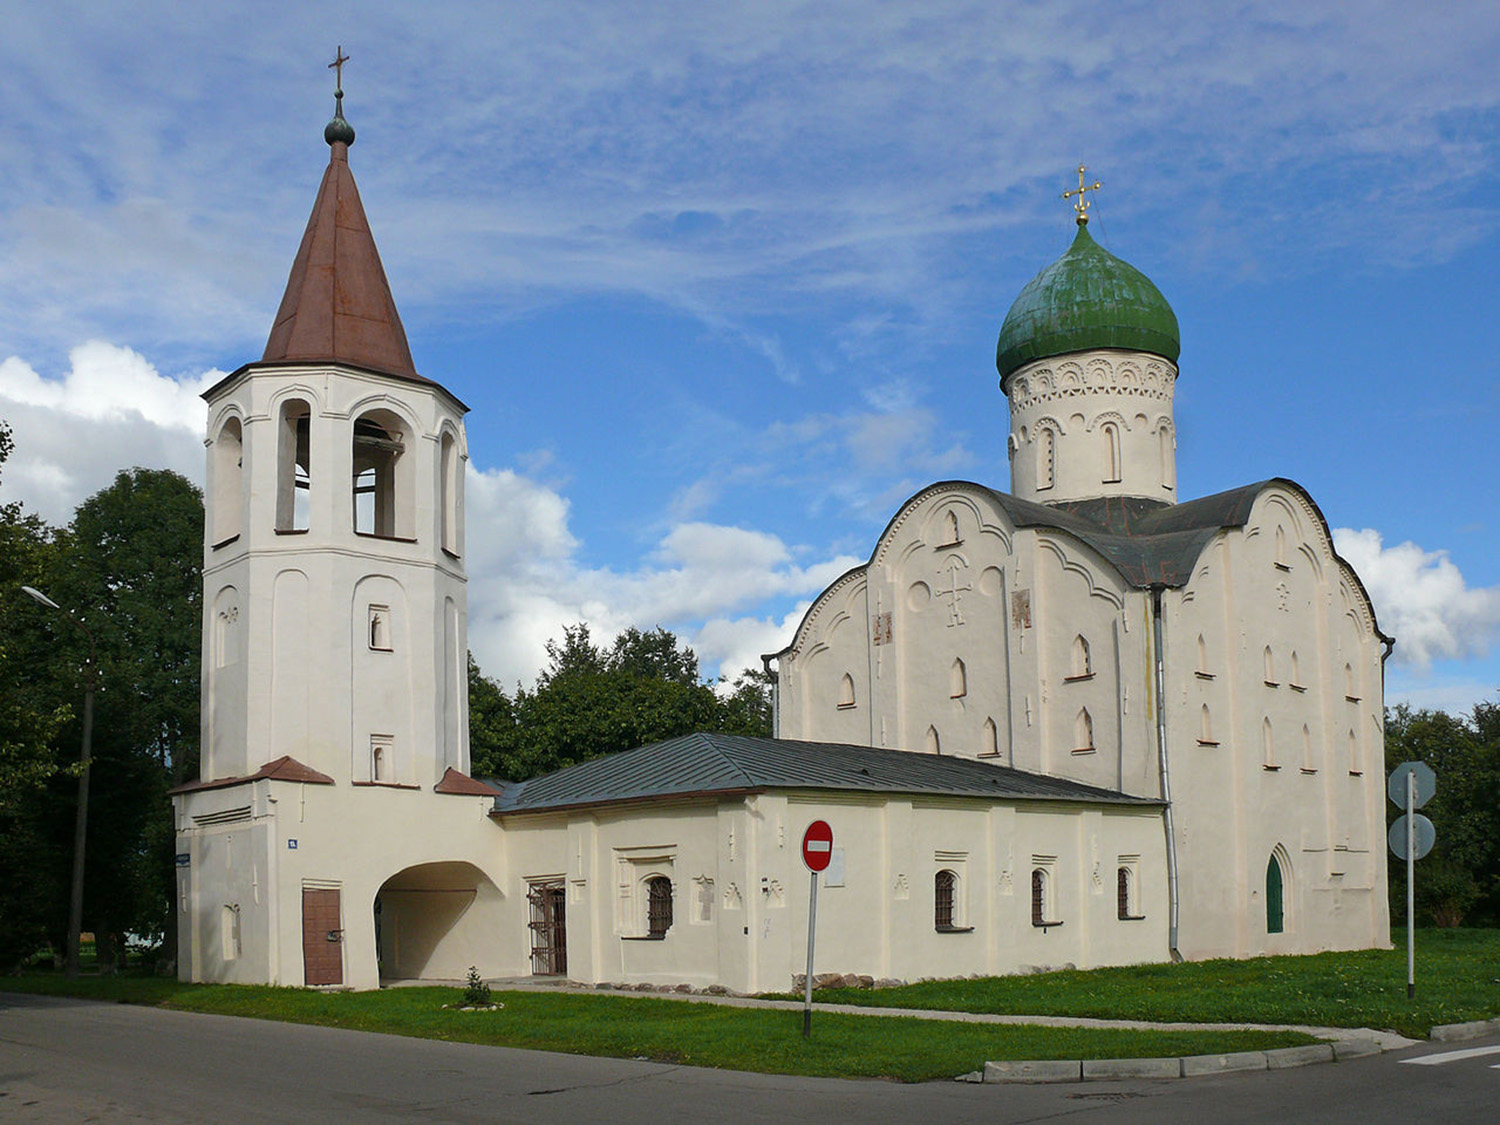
706	764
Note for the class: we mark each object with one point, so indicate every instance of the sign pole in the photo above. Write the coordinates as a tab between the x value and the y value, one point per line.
1411	896
812	928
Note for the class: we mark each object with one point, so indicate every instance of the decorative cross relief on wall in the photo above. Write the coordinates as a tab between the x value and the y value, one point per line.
1007	882
733	900
1020	609
953	581
901	889
1283	596
880	628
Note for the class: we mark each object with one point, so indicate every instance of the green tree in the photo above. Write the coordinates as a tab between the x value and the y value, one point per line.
591	700
1460	880
32	718
130	564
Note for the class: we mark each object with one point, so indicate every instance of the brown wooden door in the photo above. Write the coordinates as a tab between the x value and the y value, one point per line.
322	937
549	929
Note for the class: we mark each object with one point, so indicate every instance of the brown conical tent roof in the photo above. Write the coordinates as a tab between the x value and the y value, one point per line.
338	305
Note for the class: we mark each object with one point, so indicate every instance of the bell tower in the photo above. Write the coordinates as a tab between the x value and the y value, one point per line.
334	586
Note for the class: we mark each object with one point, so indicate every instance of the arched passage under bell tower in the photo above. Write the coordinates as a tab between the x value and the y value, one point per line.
434	920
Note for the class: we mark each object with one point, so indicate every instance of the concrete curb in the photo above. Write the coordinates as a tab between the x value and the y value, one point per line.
1454	1032
1187	1066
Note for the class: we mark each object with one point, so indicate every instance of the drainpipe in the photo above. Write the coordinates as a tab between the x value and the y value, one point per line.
775	695
1173	898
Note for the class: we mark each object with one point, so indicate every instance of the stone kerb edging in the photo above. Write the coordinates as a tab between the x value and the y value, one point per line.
1187	1066
1454	1032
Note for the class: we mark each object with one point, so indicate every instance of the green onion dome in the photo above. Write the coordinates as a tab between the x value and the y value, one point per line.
1086	299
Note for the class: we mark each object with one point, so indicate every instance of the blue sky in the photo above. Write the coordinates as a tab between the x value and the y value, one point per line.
722	282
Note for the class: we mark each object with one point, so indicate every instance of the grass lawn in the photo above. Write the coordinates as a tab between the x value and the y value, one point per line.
906	1049
1458	979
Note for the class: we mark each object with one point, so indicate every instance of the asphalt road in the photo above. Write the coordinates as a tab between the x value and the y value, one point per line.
74	1061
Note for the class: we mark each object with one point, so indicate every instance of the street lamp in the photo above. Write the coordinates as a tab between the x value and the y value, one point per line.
85	756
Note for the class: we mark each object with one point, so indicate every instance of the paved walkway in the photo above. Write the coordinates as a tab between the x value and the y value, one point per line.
1388	1040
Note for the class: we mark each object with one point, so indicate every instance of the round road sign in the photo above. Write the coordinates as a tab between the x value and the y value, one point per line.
1426	836
817	845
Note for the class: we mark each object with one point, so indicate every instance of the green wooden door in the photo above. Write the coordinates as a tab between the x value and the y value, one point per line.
1273	897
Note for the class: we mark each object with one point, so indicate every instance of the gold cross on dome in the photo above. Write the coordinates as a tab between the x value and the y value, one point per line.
1082	205
337	66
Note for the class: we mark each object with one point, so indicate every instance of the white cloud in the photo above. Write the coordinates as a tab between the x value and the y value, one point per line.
1421	599
526	582
112	409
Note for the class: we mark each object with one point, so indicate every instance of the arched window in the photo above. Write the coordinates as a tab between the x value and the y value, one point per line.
1268	745
934	745
1281	547
1083	665
1308	764
658	906
1039	897
448	484
991	739
1046	454
1168	458
846	691
383	485
945	895
1124	894
958	680
1083	731
1296	680
229	490
1270	666
1205	727
1275	911
1202	656
1351	688
1111	453
950	527
1355	765
293	466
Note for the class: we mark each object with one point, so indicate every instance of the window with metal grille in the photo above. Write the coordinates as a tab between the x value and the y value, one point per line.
658	906
943	887
1038	897
1122	893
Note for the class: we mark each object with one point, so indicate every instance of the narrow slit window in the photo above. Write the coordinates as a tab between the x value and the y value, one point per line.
934	744
991	739
1268	745
1046	450
1124	896
1270	666
958	680
1082	665
1111	453
846	692
1083	731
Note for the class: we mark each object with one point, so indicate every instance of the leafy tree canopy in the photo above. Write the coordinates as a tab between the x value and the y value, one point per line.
594	699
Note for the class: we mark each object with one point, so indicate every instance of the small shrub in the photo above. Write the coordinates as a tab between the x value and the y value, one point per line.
477	993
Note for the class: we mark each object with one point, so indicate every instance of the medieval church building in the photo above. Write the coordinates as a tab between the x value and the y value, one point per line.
1077	722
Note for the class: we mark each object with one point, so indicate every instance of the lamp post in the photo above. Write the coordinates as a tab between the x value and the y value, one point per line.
85	756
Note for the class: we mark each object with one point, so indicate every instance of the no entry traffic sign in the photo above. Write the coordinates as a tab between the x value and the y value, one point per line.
817	846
